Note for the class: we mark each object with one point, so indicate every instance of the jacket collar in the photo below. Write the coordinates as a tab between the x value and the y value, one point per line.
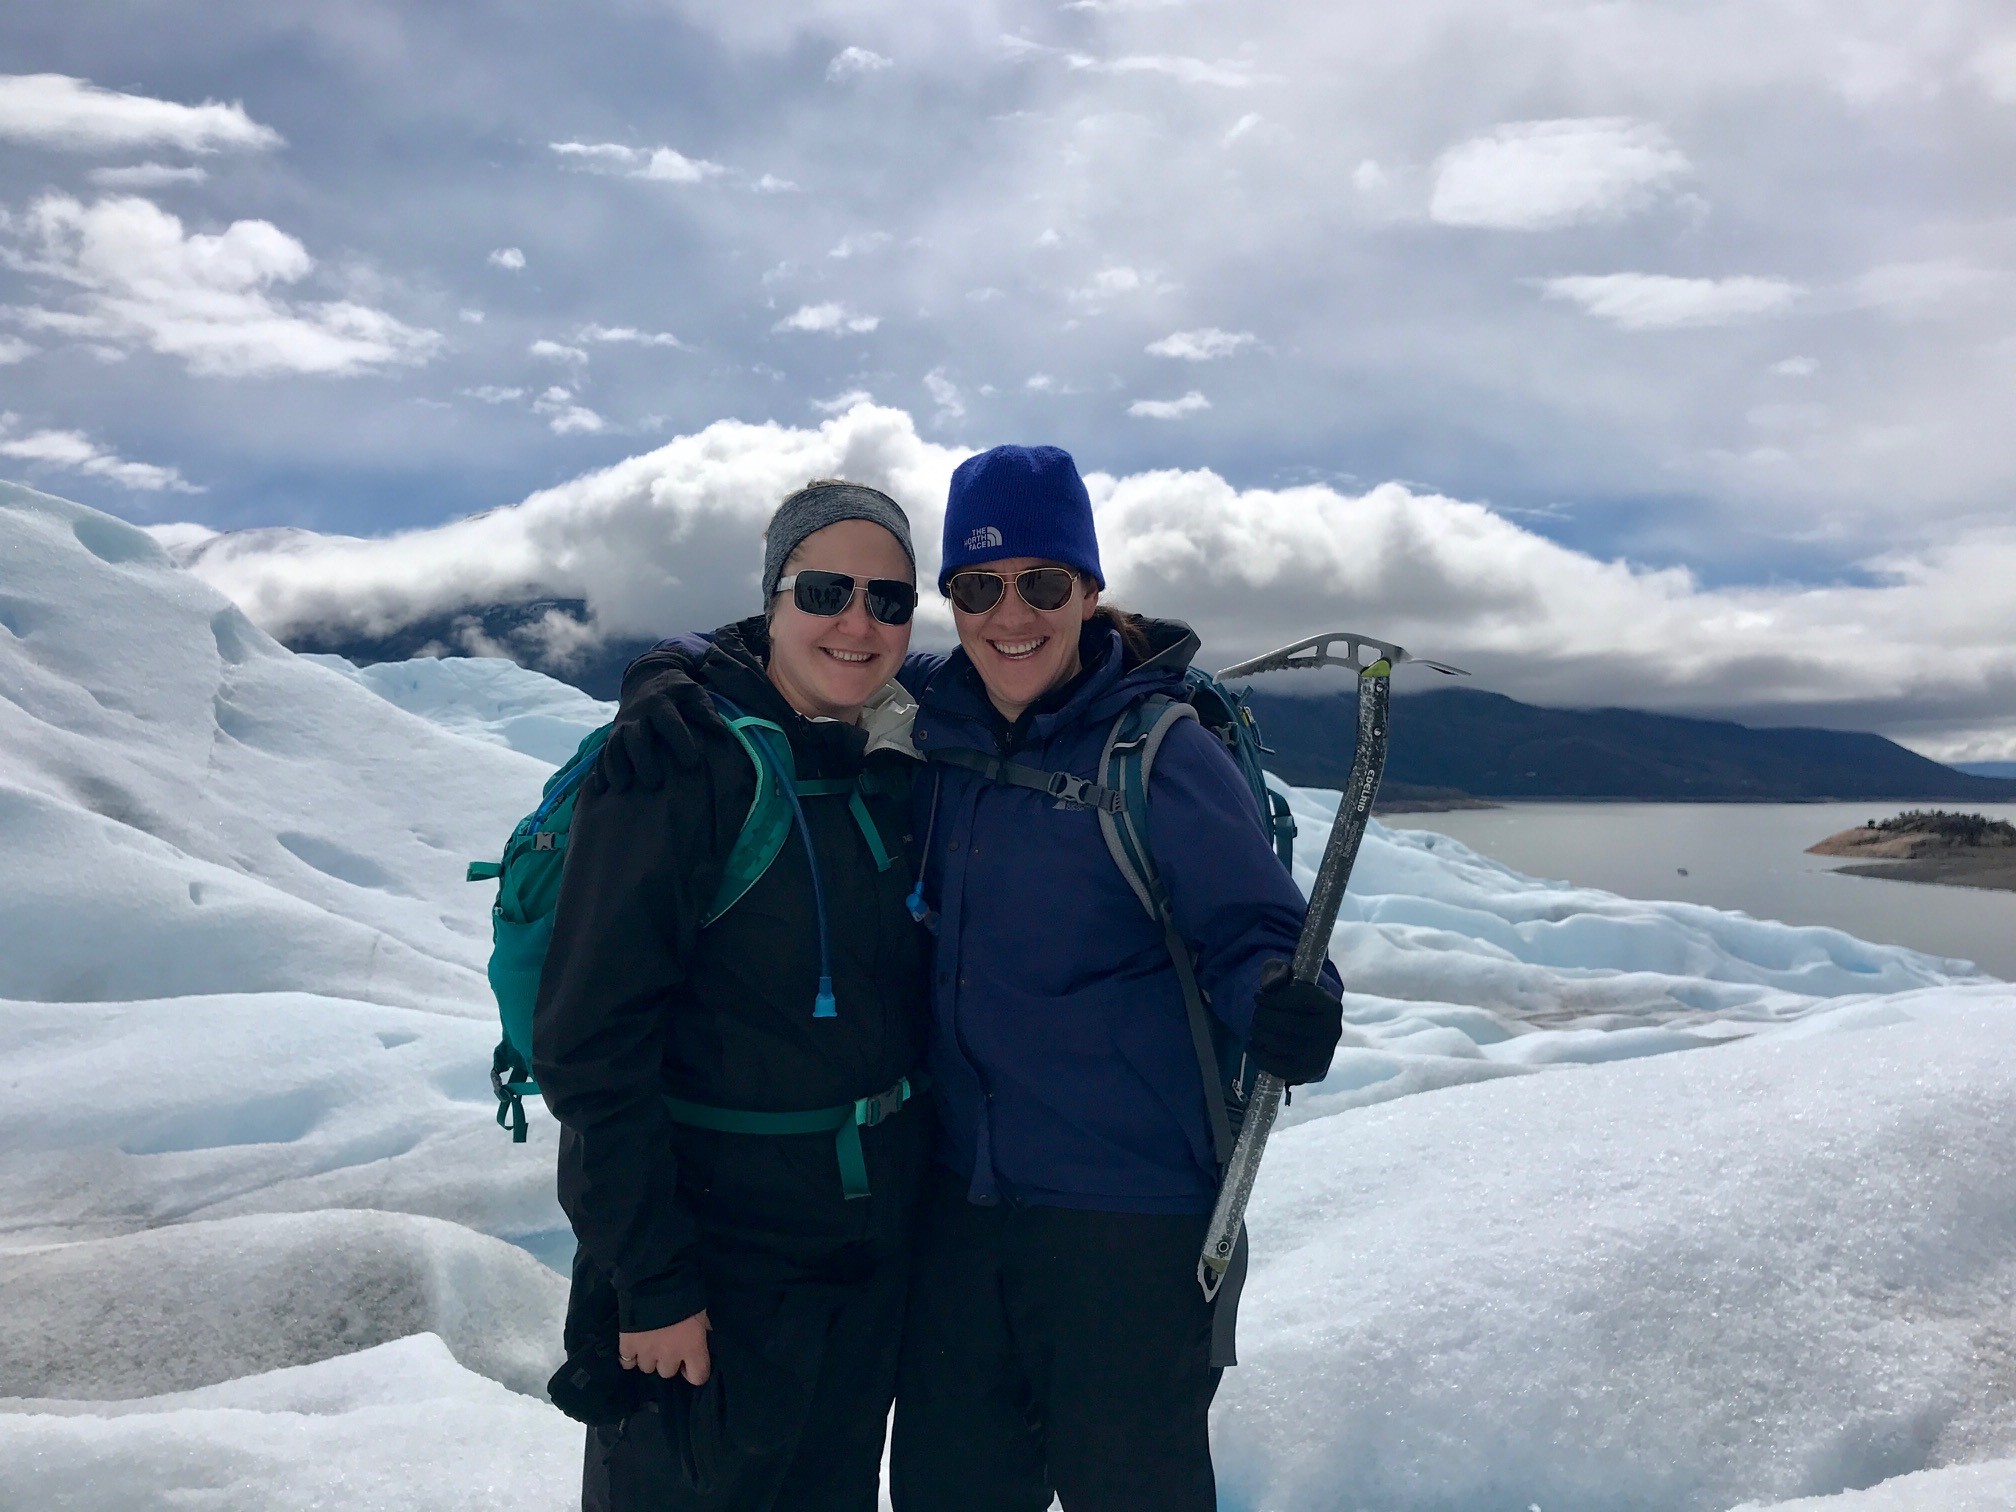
736	665
954	710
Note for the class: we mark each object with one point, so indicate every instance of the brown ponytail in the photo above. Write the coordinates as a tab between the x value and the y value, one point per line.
1130	627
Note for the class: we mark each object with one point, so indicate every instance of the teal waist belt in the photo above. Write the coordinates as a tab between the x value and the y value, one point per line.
845	1121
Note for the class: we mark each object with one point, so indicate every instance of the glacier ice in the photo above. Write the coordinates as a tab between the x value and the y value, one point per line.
1604	1203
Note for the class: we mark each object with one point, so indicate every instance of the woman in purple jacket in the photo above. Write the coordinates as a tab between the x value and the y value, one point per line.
1057	1342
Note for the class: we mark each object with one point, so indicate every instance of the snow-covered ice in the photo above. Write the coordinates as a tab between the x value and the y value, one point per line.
1783	1266
392	1429
263	1246
487	697
1986	1487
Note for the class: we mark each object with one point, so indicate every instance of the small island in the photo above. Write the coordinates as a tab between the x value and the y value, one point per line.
1958	850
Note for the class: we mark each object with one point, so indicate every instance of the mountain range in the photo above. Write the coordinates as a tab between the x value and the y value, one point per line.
1446	744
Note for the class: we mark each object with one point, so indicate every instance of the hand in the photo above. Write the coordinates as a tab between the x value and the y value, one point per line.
653	732
1296	1026
668	1352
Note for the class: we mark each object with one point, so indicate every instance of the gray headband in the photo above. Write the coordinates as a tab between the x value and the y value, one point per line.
813	508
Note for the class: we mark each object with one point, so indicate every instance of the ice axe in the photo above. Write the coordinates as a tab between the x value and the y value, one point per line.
1373	661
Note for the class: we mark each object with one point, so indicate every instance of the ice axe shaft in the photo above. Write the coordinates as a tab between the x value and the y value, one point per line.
1326	897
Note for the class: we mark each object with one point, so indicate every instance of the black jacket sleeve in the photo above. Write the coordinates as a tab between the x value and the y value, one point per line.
641	868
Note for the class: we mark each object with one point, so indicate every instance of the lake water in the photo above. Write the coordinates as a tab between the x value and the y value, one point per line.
1745	856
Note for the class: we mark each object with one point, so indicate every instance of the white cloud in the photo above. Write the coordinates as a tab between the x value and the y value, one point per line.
771	184
139	280
54	110
831	318
73	451
855	244
1203	345
1241	127
840	403
1169	409
1995	68
565	415
1113	282
1924	643
146	176
663	165
1368	177
1913	288
1539	175
945	394
985	295
553	351
511	259
1657	302
1040	383
853	62
1049	238
13	349
1796	367
629	336
490	393
469	317
1225	75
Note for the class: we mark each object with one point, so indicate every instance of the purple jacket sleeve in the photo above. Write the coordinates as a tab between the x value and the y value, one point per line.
1235	904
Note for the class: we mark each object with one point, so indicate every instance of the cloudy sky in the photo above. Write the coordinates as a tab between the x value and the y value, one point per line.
1637	352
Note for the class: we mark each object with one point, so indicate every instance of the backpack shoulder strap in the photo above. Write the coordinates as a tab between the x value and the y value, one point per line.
766	826
1127	765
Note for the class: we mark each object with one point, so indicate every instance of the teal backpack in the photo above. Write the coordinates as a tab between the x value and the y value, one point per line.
528	888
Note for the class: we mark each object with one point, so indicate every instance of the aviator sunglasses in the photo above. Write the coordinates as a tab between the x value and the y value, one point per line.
890	600
1044	588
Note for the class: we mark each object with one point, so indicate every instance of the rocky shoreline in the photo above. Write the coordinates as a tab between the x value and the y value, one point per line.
1949	850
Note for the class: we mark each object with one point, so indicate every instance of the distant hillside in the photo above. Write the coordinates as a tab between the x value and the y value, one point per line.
1987	768
1452	741
1492	746
485	630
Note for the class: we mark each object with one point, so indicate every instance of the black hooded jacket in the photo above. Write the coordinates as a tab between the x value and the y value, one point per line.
638	1001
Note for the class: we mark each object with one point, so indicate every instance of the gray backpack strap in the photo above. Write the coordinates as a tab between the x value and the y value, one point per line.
1126	766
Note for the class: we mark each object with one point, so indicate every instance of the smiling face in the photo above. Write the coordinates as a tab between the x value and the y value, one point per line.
1022	653
827	667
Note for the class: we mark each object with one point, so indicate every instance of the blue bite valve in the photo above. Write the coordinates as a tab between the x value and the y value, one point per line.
915	903
823	1005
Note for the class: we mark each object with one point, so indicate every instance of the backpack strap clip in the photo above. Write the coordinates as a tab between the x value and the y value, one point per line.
1075	789
870	1111
1067	787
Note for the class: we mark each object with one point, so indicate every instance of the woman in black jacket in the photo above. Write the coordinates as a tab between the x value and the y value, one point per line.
731	1061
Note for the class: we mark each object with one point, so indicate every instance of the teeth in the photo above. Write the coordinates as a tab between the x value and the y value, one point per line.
847	656
1018	648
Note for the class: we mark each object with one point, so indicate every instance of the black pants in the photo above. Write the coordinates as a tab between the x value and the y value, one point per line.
792	1419
1052	1349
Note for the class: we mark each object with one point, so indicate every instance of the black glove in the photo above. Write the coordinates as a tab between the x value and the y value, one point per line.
1296	1026
653	733
592	1386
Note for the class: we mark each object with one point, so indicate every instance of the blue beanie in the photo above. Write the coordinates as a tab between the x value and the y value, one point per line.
1019	501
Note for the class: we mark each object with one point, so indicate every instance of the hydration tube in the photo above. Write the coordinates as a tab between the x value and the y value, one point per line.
823	1005
915	902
